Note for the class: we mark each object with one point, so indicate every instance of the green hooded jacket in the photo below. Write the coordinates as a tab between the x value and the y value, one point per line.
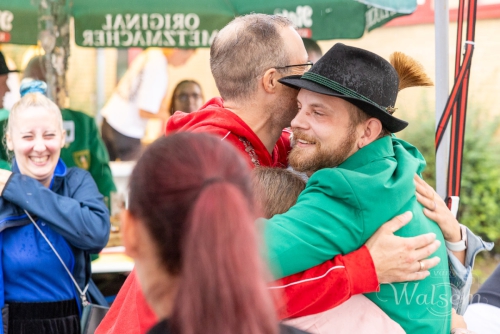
342	207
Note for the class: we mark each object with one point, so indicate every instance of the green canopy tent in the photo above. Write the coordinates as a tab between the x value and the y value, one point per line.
172	23
18	22
190	23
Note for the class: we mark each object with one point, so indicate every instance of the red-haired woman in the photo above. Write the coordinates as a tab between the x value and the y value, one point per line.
192	234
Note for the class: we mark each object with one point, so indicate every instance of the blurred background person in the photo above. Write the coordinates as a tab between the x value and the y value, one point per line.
179	225
42	194
314	51
136	99
4	90
5	86
13	81
84	147
187	97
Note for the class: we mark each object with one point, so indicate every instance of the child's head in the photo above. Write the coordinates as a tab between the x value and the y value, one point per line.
276	189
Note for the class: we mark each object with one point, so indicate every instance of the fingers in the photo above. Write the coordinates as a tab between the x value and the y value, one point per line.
426	264
397	222
416	276
425	252
426	195
423	188
432	215
427	202
420	241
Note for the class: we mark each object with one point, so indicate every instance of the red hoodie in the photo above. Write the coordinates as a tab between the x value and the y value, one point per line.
215	119
310	292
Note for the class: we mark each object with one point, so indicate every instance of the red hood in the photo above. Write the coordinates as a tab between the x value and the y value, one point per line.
215	119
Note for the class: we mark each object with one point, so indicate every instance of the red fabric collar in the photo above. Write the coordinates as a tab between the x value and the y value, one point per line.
215	119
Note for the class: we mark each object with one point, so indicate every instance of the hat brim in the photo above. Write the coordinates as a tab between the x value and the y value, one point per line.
9	71
390	122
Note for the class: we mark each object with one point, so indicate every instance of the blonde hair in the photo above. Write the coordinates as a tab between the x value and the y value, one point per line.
276	189
34	100
27	101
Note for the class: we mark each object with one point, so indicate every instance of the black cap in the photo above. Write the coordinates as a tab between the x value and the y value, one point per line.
357	76
3	66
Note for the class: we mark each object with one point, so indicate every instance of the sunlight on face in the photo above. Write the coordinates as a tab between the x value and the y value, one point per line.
323	133
36	137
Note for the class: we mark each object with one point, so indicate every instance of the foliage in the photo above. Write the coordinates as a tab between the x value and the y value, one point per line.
480	192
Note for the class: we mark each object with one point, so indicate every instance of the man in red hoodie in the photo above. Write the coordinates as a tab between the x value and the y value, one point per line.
247	58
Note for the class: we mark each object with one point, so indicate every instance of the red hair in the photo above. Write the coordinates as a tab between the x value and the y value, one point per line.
193	192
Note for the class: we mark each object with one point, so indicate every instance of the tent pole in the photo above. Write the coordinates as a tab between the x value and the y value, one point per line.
100	83
441	23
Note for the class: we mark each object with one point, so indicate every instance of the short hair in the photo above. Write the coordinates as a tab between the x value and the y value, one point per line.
312	46
277	189
358	116
243	50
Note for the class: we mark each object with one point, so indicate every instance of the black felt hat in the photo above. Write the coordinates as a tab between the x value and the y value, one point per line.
3	66
357	76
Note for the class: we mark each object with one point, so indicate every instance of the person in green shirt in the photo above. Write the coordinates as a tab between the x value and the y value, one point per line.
360	176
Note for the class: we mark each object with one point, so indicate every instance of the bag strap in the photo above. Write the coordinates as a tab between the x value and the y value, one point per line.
82	293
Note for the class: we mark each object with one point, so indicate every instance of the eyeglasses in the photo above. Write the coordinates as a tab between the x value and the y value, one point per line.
307	66
185	97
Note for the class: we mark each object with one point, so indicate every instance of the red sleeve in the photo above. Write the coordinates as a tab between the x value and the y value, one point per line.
327	285
129	313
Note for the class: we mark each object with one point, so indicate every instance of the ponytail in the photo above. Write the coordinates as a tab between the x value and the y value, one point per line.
223	288
201	217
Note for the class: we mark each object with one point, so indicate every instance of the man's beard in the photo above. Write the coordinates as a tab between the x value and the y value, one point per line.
321	157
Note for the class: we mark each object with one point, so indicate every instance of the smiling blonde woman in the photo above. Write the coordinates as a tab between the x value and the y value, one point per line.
42	195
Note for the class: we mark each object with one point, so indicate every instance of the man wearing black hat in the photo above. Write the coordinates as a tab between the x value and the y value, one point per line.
360	178
248	57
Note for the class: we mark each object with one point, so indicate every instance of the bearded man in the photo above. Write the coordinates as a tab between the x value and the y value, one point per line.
359	177
248	57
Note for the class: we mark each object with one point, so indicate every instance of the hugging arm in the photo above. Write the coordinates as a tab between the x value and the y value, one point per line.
462	262
384	258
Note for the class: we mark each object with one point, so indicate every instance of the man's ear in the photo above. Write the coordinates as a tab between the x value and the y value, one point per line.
130	233
270	80
371	129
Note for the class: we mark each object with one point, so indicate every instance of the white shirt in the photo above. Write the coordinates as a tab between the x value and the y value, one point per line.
142	87
13	83
482	318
